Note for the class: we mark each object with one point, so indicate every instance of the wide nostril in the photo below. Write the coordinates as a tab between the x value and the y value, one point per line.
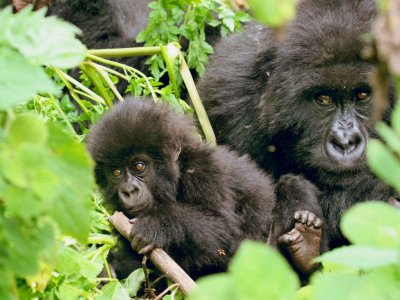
125	194
345	144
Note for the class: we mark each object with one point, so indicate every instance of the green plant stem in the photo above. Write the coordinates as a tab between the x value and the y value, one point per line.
105	76
91	74
107	279
127	68
125	52
102	239
106	266
111	71
196	101
95	97
10	116
170	69
85	95
78	100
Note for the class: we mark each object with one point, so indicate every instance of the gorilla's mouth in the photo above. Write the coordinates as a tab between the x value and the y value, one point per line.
136	205
136	208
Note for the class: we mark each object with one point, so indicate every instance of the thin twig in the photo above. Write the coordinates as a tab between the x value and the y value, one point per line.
175	285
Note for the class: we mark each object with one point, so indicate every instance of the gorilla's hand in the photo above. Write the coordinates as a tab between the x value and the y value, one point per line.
139	241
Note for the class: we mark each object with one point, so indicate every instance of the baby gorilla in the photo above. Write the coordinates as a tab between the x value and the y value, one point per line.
195	201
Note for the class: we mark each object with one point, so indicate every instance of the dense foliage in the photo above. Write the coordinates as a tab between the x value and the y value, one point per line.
54	234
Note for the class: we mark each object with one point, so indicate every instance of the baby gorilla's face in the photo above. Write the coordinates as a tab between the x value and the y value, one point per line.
131	179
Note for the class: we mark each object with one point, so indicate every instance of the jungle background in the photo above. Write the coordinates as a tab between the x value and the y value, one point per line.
54	233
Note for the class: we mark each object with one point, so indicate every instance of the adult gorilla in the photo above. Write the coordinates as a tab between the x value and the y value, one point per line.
302	105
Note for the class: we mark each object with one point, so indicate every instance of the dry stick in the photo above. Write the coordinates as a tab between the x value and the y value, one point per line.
158	256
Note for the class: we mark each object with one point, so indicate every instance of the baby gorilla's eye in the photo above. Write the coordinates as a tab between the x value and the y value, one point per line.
324	99
362	95
116	173
139	166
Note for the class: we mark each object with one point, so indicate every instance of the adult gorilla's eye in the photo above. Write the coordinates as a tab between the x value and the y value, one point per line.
324	99
362	95
139	166
116	172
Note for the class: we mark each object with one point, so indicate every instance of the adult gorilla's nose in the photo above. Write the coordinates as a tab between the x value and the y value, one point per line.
345	146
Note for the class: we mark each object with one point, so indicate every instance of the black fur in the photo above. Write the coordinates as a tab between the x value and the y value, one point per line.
107	24
261	94
198	199
114	24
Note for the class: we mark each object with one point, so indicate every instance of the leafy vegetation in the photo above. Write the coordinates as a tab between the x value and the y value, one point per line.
53	229
176	20
54	233
46	175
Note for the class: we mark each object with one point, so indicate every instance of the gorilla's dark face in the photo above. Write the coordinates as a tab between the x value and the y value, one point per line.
325	107
320	92
134	182
337	129
131	182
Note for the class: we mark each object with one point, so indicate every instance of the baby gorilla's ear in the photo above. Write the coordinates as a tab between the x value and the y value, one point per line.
177	151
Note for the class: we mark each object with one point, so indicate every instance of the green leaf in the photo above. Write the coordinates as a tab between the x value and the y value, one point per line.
396	116
273	13
12	168
305	293
114	291
214	23
6	16
391	137
17	201
67	291
242	16
27	129
20	80
267	276
25	243
230	23
214	287
45	41
384	163
361	257
333	286
75	169
133	282
43	183
7	281
71	262
372	224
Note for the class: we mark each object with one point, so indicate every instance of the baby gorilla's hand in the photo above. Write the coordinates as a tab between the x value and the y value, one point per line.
139	242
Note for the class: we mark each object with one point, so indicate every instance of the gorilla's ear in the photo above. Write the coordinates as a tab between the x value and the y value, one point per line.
177	151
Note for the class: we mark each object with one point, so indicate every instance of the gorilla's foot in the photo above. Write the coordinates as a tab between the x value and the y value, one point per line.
303	242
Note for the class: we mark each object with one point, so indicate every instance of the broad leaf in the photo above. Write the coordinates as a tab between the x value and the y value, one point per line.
73	165
133	282
214	287
20	80
273	13
361	257
384	163
114	291
373	224
266	276
27	129
45	41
